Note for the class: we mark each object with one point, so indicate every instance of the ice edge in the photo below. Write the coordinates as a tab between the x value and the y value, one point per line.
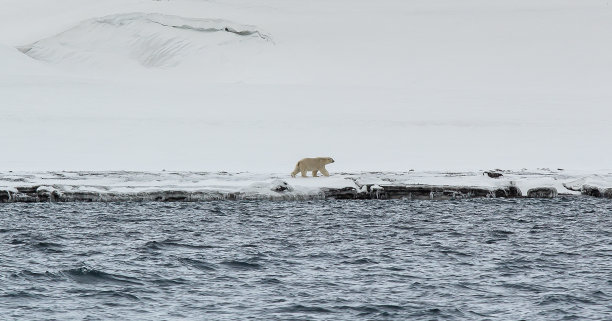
120	186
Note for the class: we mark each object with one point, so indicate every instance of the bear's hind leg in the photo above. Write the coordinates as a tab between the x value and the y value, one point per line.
314	173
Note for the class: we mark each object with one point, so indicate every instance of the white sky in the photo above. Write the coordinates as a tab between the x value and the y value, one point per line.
384	85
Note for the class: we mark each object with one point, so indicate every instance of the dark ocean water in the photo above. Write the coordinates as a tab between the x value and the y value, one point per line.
329	260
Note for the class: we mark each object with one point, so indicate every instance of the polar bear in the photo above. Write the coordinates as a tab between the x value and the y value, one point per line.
316	164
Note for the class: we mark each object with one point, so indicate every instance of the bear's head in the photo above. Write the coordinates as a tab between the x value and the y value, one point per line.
329	160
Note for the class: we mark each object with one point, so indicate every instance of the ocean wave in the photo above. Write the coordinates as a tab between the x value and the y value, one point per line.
242	265
168	243
88	275
294	308
198	264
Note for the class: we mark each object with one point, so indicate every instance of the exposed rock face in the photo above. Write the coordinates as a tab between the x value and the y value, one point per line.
282	191
122	186
281	186
418	192
514	191
542	192
508	192
344	193
596	192
36	194
591	191
5	196
493	174
433	192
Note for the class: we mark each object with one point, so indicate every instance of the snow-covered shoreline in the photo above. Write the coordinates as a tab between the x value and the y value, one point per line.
112	186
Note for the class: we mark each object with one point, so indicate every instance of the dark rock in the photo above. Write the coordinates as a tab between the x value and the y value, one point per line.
426	192
173	196
500	193
493	174
591	191
340	193
178	196
5	196
231	196
508	192
281	186
47	195
514	191
27	189
607	193
372	191
24	198
80	196
542	192
369	191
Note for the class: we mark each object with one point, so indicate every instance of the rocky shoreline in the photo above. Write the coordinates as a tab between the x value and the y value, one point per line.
194	187
37	194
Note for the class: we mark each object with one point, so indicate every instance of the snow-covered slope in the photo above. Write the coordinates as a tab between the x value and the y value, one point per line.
256	85
151	40
14	63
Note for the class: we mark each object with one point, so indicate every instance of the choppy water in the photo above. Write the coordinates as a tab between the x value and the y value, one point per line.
336	260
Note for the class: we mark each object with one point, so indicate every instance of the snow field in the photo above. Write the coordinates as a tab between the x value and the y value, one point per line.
391	85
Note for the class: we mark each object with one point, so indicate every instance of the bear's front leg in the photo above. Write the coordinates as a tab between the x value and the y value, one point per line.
304	173
324	171
314	173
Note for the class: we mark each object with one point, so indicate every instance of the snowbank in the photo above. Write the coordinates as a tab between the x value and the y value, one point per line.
199	186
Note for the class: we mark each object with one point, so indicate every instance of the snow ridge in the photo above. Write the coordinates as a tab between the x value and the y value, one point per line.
151	39
205	25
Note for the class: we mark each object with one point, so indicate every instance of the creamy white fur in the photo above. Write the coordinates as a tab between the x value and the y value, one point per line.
316	164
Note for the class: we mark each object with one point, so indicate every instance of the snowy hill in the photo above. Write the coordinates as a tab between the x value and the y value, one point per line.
151	40
256	85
